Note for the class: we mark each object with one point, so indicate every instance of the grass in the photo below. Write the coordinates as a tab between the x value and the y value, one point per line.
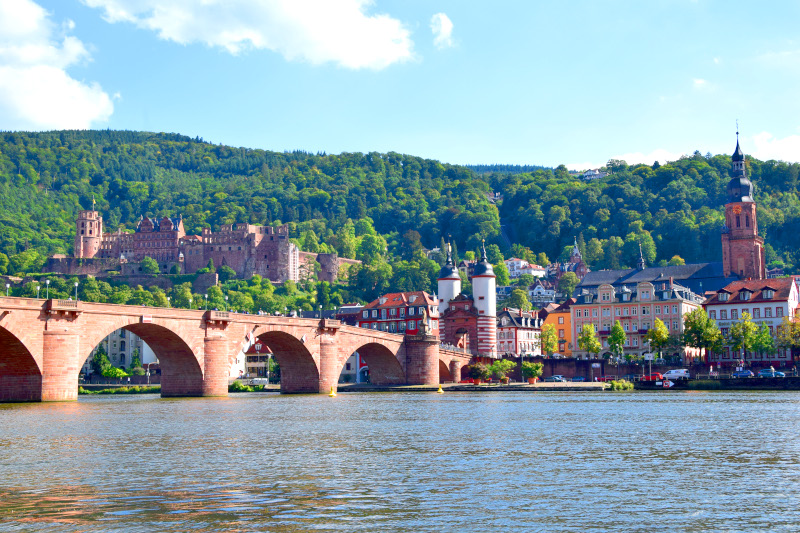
238	386
136	389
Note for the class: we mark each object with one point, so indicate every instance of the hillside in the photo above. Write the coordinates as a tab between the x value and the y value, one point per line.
333	202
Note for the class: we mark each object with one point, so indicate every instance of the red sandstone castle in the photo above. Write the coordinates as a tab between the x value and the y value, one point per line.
246	248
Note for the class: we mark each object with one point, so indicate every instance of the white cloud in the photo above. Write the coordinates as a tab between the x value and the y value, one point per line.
442	28
317	31
699	83
36	93
766	146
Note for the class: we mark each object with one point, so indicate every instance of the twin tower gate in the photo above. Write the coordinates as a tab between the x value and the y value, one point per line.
44	344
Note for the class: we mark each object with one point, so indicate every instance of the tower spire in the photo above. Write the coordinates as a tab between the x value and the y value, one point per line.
641	263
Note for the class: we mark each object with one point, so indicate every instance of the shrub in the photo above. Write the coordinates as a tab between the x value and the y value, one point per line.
621	385
532	370
479	371
137	371
501	367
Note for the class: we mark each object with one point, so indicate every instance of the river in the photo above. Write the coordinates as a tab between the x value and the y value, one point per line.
684	461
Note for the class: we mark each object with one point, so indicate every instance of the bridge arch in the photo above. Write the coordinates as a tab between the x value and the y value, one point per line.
181	370
299	369
444	372
20	373
384	366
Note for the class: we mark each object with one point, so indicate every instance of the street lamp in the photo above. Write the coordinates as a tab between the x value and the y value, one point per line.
38	288
190	303
168	300
76	291
47	282
205	297
8	286
226	302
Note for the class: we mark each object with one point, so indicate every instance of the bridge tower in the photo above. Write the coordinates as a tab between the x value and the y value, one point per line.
484	290
449	284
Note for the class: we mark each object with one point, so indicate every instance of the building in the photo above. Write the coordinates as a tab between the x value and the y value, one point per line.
742	247
561	320
401	312
247	249
349	314
518	332
594	174
517	267
120	347
542	292
767	301
575	265
636	308
469	321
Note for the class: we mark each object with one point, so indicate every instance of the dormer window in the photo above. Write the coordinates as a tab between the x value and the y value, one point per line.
768	293
626	297
723	297
412	299
744	295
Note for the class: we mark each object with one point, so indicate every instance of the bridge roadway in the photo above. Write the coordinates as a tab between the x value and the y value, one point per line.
44	343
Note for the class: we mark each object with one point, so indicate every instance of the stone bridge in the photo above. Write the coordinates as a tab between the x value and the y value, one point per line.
44	343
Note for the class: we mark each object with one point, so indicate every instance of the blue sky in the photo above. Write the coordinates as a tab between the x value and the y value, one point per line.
523	82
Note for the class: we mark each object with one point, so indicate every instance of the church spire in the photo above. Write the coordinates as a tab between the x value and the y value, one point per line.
640	264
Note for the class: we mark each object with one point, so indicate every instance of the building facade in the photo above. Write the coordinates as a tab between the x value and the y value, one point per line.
518	332
402	312
561	320
767	301
636	308
120	347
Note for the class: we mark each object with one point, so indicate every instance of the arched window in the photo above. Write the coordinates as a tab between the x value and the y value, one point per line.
122	345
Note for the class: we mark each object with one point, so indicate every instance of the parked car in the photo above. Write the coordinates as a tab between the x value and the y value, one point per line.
578	379
676	373
742	374
557	377
770	373
607	378
655	376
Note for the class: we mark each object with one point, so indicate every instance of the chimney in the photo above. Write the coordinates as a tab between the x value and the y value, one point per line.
671	281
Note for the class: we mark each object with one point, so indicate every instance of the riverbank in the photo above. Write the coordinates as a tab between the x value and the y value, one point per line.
727	384
468	387
119	389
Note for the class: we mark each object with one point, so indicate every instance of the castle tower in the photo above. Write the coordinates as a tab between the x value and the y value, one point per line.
742	248
88	234
485	294
449	282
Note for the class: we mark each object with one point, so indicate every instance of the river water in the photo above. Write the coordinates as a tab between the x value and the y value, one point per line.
684	461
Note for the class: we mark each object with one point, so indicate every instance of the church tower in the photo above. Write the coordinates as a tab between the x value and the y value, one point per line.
88	234
742	248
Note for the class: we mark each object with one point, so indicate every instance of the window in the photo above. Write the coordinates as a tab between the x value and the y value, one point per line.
392	311
723	296
605	297
625	311
561	333
402	311
634	310
779	312
594	313
738	222
675	325
645	310
617	311
606	312
635	341
658	309
767	312
712	314
645	295
347	366
374	313
723	314
734	314
383	313
625	326
674	309
585	312
744	295
365	314
561	320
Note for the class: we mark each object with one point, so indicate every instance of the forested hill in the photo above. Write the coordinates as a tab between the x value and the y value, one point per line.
360	204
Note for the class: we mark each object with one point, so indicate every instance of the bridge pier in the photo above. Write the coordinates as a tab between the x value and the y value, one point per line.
455	370
328	358
60	366
215	366
422	360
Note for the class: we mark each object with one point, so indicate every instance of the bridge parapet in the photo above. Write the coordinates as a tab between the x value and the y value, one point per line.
64	307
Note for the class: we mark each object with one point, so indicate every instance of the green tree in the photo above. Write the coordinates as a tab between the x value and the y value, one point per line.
549	340
763	342
410	245
702	332
567	283
524	281
676	261
226	273
493	254
136	359
788	334
532	370
150	266
742	334
501	367
324	294
616	340
210	265
588	341
501	274
100	362
519	300
658	335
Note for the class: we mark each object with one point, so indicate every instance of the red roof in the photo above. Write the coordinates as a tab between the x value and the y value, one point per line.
401	299
781	286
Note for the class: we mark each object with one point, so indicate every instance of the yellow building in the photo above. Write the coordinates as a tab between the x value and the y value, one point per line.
561	319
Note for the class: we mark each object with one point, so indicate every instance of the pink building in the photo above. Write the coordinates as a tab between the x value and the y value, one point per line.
636	308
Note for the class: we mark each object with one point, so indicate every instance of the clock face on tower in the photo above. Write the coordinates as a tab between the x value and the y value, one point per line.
737	209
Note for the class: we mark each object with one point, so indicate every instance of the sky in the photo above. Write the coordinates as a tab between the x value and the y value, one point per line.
577	82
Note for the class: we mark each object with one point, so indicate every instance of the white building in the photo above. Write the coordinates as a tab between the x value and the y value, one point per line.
594	174
120	347
767	301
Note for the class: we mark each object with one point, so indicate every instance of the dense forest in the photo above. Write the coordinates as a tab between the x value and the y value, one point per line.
381	208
